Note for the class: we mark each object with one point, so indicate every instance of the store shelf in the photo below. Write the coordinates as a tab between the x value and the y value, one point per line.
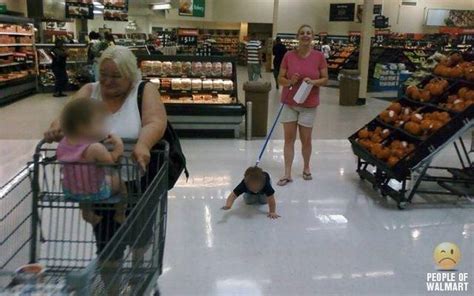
17	78
66	45
16	34
16	44
171	92
68	62
15	64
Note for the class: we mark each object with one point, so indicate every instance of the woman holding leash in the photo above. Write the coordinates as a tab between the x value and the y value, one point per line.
301	64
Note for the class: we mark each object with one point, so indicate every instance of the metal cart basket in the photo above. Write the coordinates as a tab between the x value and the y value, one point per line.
40	224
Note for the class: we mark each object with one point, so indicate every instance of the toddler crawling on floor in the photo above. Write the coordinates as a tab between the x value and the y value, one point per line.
257	188
88	175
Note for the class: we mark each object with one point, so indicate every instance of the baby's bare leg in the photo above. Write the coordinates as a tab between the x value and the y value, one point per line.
88	214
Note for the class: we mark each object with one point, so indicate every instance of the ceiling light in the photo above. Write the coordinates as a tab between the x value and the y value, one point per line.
161	6
98	4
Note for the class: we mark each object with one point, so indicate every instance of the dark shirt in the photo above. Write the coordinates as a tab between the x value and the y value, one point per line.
59	57
279	51
267	188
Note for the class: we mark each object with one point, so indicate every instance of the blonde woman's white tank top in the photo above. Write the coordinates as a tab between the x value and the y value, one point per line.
125	123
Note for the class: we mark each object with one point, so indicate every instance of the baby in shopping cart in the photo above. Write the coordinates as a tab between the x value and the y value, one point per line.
257	188
88	173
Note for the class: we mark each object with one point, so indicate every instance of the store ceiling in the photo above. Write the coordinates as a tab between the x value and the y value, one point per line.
147	3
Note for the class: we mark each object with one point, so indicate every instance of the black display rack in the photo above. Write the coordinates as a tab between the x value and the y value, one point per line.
199	119
415	170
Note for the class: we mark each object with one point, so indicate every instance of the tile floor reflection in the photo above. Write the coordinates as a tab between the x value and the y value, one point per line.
336	236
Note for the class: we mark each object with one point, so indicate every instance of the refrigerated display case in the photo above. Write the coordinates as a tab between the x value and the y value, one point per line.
200	93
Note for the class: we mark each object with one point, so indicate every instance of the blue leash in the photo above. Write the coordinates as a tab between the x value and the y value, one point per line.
269	135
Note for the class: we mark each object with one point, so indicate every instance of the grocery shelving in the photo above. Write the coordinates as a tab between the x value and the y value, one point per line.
197	99
17	58
77	55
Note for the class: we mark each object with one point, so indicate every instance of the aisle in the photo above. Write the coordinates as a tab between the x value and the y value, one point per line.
28	118
336	236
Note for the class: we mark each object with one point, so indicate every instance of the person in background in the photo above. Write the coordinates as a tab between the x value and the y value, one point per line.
59	55
94	49
253	48
109	38
301	64
279	50
326	49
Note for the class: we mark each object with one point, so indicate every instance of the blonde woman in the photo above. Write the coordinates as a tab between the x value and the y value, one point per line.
301	64
118	86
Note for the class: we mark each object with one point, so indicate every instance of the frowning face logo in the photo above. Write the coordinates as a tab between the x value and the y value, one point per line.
446	256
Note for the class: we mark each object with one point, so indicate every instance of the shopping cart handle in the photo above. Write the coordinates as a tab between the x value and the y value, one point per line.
40	145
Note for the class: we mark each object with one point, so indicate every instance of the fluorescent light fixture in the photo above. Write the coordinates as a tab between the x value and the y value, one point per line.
160	6
98	4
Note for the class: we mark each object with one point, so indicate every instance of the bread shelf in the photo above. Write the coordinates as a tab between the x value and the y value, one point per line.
16	34
15	64
16	44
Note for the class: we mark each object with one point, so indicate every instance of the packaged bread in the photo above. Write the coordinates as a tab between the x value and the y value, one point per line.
224	99
165	83
196	69
207	69
207	97
176	84
166	68
197	97
156	82
187	68
228	84
217	69
185	100
217	84
207	84
227	69
186	84
157	68
147	68
176	68
196	84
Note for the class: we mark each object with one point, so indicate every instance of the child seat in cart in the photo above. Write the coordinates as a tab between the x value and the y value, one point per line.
41	224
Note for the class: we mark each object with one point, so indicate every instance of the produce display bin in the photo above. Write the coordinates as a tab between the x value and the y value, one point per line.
414	166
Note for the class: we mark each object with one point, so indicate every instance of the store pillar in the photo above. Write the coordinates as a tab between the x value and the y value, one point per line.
276	4
81	30
364	53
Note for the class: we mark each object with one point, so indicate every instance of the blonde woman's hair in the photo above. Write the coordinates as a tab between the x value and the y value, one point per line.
304	26
124	59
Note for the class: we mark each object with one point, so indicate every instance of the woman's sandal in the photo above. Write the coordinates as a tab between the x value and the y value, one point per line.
307	176
284	181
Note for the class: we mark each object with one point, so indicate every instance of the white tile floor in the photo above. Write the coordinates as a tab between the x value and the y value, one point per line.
336	235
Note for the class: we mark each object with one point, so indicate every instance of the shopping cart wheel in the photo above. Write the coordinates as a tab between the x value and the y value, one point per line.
402	205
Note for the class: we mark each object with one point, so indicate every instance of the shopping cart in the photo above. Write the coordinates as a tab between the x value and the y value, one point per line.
39	224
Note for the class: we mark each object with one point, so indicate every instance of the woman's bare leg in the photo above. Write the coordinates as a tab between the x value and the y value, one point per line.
306	146
290	130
